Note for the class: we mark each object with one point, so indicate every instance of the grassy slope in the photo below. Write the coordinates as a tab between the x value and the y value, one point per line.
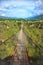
36	35
8	28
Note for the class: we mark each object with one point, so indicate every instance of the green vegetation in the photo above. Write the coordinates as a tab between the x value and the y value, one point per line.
34	32
8	29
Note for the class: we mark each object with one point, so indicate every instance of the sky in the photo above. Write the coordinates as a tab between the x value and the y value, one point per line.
21	8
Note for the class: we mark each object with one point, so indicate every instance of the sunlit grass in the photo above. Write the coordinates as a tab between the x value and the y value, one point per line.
8	29
36	36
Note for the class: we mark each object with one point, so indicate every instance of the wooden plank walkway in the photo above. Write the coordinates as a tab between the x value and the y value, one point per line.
20	55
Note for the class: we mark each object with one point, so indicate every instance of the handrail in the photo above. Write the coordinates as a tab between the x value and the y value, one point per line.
32	41
8	39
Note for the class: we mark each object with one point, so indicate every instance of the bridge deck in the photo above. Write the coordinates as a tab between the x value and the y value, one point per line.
20	57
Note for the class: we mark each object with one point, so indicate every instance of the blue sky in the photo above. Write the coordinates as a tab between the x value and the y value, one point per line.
21	8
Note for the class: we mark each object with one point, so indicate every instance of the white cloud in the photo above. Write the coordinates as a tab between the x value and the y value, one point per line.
30	14
20	11
39	2
30	7
38	12
3	14
3	9
23	8
6	5
21	3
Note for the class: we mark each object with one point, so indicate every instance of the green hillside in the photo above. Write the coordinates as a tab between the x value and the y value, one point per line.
34	31
8	29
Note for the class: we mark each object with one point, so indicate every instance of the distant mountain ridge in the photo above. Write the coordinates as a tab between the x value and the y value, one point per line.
35	17
29	18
